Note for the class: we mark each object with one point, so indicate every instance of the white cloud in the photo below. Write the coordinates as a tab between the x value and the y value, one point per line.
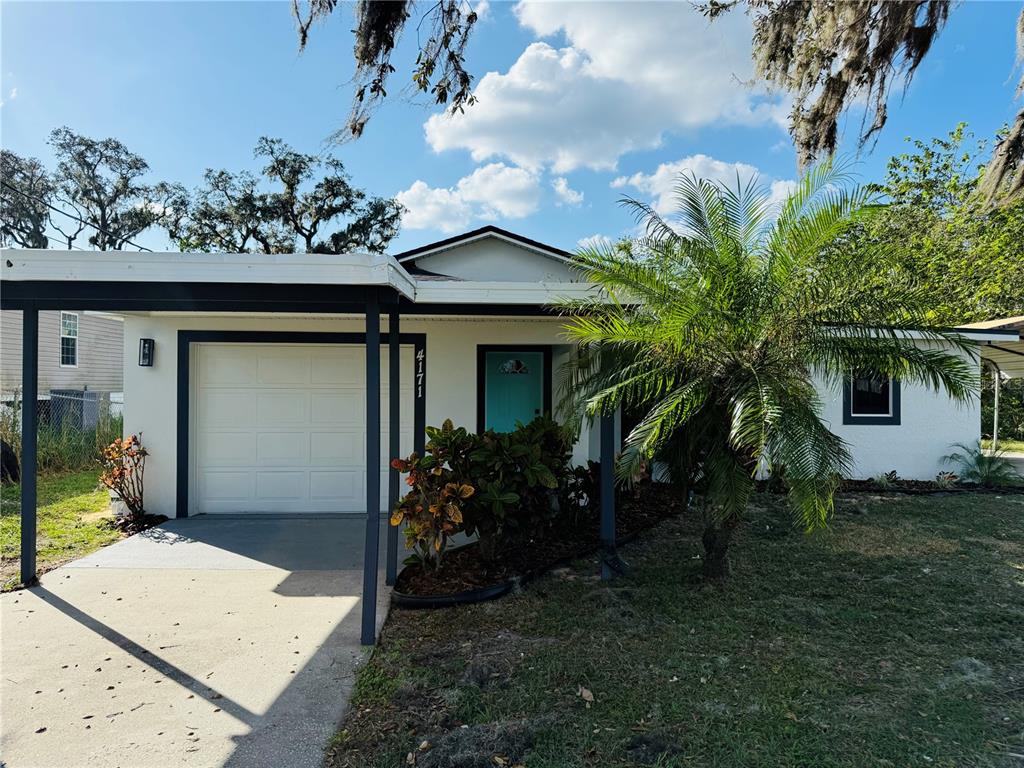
10	96
566	195
595	241
495	191
630	72
660	185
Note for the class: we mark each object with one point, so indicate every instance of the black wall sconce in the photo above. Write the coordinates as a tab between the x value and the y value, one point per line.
147	349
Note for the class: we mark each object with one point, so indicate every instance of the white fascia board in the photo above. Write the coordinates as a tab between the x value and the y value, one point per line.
288	268
485	236
474	292
965	334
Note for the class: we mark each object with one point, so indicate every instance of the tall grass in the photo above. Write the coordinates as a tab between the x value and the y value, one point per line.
62	448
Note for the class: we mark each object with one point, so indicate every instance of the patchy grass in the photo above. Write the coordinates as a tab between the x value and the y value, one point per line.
895	638
1013	446
72	521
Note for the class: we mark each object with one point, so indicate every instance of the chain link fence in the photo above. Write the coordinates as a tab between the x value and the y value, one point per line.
74	428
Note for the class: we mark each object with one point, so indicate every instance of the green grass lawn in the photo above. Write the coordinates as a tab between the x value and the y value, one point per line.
1014	446
895	638
73	508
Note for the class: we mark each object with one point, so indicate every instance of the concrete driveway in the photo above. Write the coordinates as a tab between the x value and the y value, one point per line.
204	642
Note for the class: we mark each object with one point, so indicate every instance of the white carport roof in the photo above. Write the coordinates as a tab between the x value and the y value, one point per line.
1007	353
354	269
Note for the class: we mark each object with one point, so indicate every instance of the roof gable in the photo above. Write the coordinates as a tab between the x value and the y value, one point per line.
490	231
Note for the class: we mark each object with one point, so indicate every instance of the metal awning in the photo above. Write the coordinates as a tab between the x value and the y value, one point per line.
1005	354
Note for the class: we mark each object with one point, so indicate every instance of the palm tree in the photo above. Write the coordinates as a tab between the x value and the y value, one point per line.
720	325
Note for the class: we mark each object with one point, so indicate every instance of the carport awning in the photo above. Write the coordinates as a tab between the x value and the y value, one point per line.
125	281
1007	354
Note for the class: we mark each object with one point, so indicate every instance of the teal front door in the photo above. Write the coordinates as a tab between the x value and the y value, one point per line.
513	388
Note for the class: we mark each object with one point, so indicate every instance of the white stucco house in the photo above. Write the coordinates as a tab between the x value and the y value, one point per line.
253	377
253	412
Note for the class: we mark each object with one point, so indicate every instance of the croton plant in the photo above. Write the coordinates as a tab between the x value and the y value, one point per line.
432	509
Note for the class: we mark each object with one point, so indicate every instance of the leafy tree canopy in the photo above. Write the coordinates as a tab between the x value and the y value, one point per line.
937	229
439	68
313	207
25	192
827	55
101	181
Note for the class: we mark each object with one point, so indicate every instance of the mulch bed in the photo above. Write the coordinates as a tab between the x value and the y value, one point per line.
463	569
914	487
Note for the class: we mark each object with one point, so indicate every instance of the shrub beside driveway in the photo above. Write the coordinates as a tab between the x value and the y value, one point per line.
892	638
74	511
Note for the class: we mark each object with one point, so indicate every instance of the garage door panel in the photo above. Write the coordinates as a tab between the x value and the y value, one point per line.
227	448
284	368
337	408
344	367
329	485
281	428
337	449
226	366
282	449
226	408
227	486
282	486
282	408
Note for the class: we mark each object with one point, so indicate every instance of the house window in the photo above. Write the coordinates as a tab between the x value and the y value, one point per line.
870	398
68	339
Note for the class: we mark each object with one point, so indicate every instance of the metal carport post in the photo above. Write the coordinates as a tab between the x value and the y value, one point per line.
29	433
370	551
394	441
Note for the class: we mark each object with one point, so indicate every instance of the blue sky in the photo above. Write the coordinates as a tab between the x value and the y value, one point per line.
580	103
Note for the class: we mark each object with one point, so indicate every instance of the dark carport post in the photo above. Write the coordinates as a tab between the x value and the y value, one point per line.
30	401
611	563
370	552
394	437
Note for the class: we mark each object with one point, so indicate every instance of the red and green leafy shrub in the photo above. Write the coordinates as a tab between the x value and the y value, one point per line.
433	508
516	483
124	466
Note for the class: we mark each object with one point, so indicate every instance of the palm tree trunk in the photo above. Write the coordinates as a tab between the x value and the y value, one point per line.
717	537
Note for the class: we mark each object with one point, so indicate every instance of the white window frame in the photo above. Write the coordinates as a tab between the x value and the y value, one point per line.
62	336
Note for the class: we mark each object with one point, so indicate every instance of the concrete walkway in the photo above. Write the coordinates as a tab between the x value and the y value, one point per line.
204	642
1017	459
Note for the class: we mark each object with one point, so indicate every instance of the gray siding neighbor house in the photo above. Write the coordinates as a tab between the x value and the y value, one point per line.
78	351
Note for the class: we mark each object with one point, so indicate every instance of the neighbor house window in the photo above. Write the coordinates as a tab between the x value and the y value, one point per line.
870	398
68	339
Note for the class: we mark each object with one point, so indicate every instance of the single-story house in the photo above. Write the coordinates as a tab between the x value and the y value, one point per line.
257	380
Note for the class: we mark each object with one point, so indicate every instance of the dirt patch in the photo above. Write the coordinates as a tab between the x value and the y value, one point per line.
478	746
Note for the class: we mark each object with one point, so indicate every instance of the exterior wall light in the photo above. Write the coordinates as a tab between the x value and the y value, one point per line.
147	351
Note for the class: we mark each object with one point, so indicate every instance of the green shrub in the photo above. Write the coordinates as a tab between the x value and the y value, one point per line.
503	487
981	467
433	509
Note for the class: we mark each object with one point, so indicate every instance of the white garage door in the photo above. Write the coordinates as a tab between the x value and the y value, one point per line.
281	427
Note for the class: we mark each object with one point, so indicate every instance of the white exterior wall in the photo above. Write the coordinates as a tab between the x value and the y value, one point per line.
930	423
491	259
151	393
